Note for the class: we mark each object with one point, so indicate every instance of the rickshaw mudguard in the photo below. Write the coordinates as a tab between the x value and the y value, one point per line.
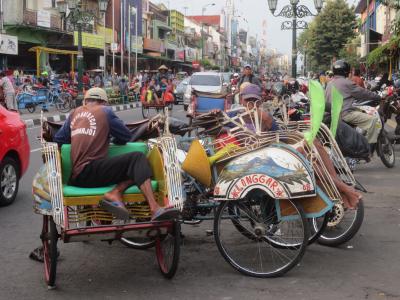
279	170
314	207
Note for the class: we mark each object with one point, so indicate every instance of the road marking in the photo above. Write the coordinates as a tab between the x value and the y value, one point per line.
36	150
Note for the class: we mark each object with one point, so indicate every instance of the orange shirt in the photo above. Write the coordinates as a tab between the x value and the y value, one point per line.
358	81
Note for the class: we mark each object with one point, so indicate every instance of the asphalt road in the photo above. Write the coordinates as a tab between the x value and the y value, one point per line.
368	267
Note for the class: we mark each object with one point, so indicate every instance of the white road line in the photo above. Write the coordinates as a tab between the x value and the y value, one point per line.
36	150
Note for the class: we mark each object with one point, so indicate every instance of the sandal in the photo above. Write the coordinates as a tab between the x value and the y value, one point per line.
163	214
117	208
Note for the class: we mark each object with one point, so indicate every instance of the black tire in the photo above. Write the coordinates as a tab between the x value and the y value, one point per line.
172	239
30	107
185	107
331	236
315	232
385	150
63	102
9	180
145	111
138	243
263	238
49	238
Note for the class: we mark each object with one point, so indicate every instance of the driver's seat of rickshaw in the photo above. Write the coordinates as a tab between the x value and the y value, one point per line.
74	195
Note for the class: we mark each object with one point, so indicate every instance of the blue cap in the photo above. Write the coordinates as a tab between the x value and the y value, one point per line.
252	91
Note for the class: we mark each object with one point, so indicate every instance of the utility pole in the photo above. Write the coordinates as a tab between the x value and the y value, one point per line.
122	35
113	38
367	37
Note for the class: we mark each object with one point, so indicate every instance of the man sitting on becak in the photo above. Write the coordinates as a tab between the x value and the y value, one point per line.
251	97
88	129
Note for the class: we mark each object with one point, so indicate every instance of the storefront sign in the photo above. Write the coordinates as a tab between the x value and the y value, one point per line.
108	34
190	54
43	18
137	46
153	45
8	44
90	40
114	47
180	54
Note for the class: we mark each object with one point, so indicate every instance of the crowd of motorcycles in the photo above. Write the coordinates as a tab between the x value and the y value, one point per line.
293	95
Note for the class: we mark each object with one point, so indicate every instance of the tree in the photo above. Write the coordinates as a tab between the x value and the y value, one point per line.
328	34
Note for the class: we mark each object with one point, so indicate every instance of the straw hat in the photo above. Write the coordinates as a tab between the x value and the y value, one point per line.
163	67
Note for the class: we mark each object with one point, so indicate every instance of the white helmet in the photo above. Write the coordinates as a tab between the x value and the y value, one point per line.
236	75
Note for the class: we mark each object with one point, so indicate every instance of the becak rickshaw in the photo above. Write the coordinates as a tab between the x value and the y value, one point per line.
73	214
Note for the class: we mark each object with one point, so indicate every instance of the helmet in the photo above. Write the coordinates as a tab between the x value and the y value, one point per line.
397	84
341	67
329	73
96	93
236	75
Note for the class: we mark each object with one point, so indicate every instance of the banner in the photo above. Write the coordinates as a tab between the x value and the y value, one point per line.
90	40
43	18
8	44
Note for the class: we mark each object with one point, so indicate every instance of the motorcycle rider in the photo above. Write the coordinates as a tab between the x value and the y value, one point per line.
248	76
352	94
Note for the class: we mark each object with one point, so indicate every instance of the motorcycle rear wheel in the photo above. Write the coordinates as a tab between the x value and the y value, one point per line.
385	150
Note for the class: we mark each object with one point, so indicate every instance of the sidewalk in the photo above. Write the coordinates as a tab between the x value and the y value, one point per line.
53	115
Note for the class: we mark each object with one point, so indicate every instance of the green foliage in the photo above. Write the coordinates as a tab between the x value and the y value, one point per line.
383	52
327	34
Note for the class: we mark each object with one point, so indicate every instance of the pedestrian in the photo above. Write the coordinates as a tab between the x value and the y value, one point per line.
98	81
248	76
9	92
123	90
356	78
86	81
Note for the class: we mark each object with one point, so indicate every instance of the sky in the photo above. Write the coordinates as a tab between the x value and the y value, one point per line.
255	11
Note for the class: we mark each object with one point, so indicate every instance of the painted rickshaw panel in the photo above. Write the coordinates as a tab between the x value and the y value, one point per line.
279	170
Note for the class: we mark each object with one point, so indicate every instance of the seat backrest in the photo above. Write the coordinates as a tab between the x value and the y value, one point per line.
205	104
113	150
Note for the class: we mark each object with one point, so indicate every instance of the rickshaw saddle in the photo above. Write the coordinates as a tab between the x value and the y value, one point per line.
74	194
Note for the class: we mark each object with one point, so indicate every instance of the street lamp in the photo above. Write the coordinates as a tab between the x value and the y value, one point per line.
203	10
103	4
294	11
77	16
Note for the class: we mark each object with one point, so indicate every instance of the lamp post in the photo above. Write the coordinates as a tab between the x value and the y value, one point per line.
294	11
103	9
203	10
77	16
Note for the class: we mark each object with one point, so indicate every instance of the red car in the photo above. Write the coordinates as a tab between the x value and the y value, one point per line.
14	154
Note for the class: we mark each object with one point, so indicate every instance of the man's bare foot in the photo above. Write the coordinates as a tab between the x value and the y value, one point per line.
113	196
351	199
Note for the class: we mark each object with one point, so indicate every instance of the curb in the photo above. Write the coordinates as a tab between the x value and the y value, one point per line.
62	117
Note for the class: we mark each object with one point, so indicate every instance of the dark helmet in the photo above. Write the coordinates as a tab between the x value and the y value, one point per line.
397	84
341	67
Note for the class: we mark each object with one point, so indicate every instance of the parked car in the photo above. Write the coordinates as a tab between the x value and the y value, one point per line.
210	82
14	154
181	88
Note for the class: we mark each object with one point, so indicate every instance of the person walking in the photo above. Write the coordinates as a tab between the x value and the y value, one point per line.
9	92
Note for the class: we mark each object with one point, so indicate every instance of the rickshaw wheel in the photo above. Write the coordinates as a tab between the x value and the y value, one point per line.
258	255
168	250
49	238
137	243
145	111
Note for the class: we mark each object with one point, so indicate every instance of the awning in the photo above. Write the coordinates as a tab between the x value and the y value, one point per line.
164	27
53	51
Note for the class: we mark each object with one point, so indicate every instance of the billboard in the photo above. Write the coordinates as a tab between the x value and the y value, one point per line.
8	44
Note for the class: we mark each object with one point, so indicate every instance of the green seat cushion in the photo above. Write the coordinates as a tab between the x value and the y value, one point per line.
113	150
74	191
